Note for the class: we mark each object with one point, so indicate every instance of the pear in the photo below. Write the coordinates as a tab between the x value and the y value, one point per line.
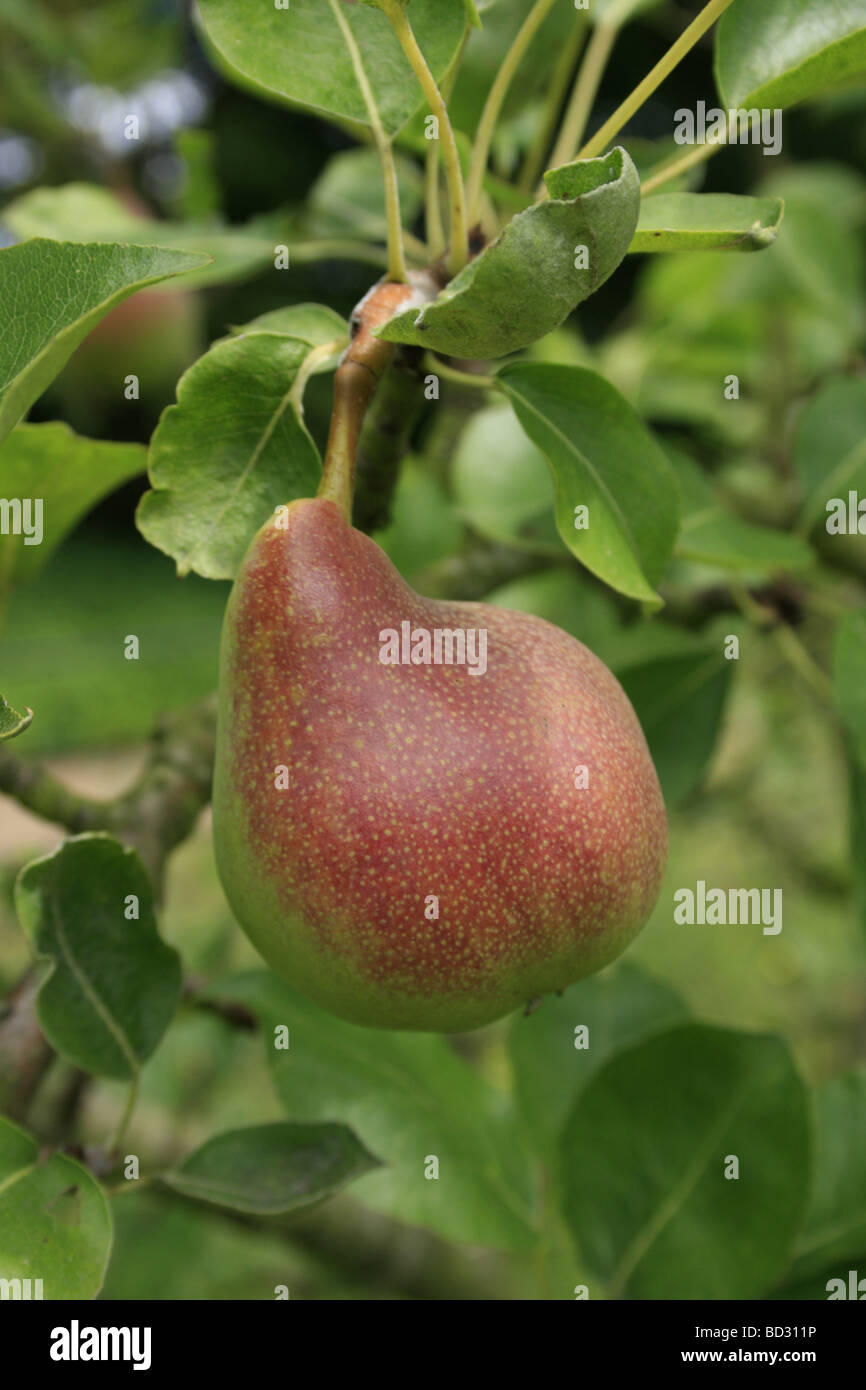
413	842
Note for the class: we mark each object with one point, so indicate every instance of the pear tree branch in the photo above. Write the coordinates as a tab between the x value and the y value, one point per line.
157	812
154	816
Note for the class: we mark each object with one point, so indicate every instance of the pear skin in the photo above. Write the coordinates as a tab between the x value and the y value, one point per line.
414	846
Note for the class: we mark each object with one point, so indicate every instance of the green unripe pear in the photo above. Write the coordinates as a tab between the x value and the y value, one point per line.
421	845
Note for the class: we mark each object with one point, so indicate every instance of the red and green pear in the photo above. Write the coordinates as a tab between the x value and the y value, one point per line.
410	843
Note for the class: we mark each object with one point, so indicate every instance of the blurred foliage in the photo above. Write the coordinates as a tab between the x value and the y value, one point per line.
753	762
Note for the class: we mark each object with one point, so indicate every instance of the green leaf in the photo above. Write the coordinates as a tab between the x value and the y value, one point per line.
235	446
525	283
299	54
618	1008
603	457
52	294
11	722
501	482
84	212
835	1229
781	51
830	447
274	1168
314	324
706	222
63	475
111	985
710	535
54	1220
348	197
645	1189
678	684
406	1096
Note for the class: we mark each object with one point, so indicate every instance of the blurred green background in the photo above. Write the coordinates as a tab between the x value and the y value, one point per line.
769	802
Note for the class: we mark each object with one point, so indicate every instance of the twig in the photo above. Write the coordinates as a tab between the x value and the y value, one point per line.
786	640
383	1253
234	1014
154	816
25	1055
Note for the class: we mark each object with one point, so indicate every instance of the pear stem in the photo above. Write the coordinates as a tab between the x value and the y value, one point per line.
355	383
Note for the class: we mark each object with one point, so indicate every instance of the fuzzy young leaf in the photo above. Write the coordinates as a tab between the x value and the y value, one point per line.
52	294
299	53
780	52
685	1230
603	458
547	261
272	1169
112	985
235	446
55	1225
